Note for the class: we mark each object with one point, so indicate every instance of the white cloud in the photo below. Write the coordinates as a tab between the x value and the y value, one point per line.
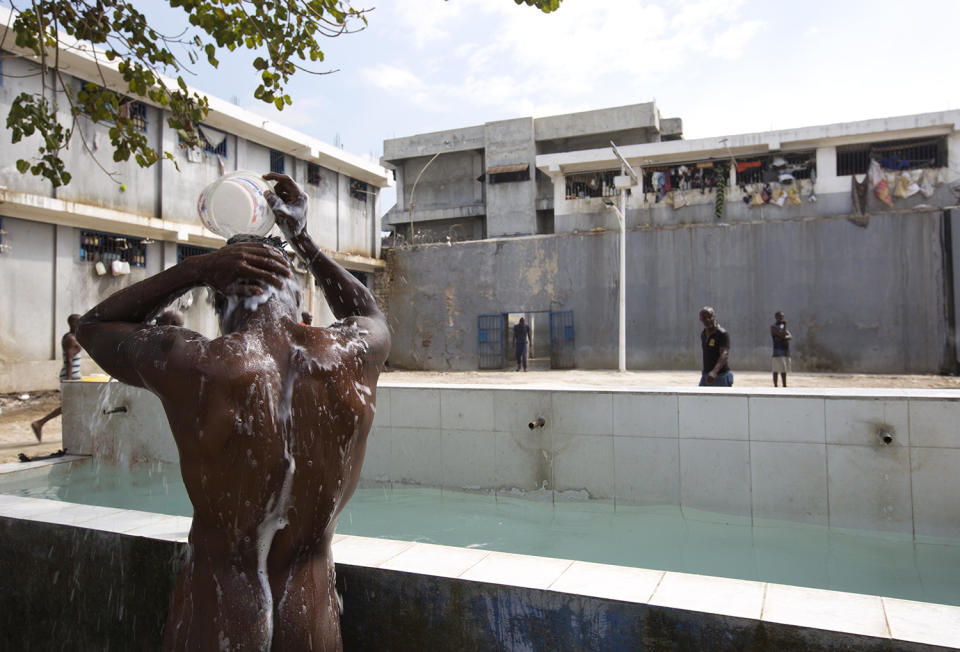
731	43
424	21
387	77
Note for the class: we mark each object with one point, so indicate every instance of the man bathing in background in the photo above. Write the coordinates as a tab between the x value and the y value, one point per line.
271	421
69	371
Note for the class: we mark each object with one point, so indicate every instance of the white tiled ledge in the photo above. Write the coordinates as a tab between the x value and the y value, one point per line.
789	392
865	615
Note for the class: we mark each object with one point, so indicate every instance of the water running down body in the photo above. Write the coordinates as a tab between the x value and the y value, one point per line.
270	420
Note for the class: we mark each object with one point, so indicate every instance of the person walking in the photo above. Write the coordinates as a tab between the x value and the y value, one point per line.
69	371
521	342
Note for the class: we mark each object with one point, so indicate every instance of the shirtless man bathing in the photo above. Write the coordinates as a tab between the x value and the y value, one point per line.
271	421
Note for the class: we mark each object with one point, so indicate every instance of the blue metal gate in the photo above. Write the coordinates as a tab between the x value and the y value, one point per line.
490	341
561	340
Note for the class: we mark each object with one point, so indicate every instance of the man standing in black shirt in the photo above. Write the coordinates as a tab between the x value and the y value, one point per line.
715	341
521	338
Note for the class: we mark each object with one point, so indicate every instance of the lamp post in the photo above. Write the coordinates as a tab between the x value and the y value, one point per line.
627	179
414	189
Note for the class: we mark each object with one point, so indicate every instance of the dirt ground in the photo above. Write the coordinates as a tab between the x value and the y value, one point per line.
15	434
17	413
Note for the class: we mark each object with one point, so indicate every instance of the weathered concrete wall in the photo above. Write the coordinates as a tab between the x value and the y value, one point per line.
868	300
27	293
510	206
449	181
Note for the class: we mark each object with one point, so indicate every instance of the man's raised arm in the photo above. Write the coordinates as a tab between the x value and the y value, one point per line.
346	296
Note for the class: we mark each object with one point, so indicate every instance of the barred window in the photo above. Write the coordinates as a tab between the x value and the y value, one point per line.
127	108
278	162
96	246
136	112
185	251
358	190
209	140
892	155
313	174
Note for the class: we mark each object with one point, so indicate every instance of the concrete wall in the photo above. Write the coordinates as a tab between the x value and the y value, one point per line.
858	300
510	206
809	456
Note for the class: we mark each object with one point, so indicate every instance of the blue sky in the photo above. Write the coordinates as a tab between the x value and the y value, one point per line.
723	66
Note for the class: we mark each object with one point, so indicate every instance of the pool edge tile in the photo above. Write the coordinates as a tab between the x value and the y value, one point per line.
718	595
850	613
923	622
526	571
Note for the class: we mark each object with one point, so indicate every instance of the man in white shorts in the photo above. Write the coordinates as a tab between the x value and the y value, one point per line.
781	348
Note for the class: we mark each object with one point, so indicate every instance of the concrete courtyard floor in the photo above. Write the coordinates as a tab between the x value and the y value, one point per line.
611	378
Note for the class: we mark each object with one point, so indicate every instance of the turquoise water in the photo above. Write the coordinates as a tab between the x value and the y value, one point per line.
665	538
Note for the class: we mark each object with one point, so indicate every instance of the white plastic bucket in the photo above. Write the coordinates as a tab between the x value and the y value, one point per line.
234	205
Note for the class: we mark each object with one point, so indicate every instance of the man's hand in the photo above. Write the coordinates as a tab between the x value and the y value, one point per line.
289	204
241	268
711	377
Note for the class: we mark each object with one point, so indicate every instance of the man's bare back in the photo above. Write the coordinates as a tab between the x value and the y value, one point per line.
271	422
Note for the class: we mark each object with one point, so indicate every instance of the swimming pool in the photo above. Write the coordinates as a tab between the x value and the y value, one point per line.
656	537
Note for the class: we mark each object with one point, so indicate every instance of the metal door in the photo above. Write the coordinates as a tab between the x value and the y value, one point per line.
490	341
561	340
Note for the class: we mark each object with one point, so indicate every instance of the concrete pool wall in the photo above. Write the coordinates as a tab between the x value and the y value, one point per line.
82	577
810	456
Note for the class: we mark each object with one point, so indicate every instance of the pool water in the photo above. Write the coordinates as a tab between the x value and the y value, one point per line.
667	538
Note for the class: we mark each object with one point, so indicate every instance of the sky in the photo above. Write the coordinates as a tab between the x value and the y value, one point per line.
723	66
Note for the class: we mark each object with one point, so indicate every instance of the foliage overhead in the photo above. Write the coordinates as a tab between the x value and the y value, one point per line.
546	6
285	34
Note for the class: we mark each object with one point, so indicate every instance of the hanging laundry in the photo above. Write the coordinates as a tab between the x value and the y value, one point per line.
778	197
906	186
793	196
859	190
679	200
928	182
882	191
875	173
718	206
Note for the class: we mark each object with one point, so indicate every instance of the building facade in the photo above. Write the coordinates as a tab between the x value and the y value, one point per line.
483	182
51	240
847	228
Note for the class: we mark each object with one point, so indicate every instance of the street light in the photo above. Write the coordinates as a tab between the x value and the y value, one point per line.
627	179
414	188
